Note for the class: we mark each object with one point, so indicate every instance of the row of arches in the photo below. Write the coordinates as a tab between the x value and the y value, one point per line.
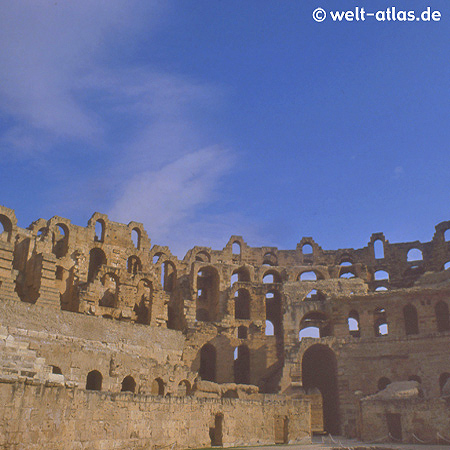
94	381
316	324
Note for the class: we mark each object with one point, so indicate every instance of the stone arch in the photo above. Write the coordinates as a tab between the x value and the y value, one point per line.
242	365
414	254
270	259
183	388
207	370
110	283
97	258
319	370
60	240
410	319
243	274
242	304
94	381
144	301
158	387
318	320
274	312
128	384
203	256
5	228
100	228
168	275
136	236
353	323
134	265
208	284
380	322
271	276
442	316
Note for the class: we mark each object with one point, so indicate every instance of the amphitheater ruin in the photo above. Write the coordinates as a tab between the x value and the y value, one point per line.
108	341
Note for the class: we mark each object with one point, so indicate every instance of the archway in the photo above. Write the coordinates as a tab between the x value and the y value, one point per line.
319	370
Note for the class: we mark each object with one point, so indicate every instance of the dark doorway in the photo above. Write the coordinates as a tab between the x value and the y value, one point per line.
242	365
207	369
319	370
94	381
281	430
394	423
216	433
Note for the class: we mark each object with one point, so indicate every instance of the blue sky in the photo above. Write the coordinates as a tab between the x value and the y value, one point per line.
208	118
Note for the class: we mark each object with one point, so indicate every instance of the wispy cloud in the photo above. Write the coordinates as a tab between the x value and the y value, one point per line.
61	92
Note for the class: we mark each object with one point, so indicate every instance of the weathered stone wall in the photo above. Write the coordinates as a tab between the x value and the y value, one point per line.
35	416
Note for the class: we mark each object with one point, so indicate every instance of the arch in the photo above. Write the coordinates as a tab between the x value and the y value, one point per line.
236	248
442	316
319	370
168	276
270	259
207	369
128	384
318	320
203	256
446	265
99	230
242	304
410	319
378	249
208	284
274	312
184	388
381	275
309	275
414	254
97	258
347	274
94	381
242	332
136	237
157	256
242	275
270	329
60	240
56	370
381	289
443	377
315	295
134	265
271	276
383	382
380	322
144	301
307	249
353	324
242	365
216	432
447	235
110	283
5	228
158	387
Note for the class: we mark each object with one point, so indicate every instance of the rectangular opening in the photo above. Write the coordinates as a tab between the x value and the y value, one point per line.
394	423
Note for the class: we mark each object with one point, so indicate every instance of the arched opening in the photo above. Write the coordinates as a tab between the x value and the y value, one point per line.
353	324
242	275
271	277
346	263
308	276
242	304
442	316
270	329
242	365
143	305
242	332
208	283
274	312
184	388
319	370
60	240
443	378
216	432
94	381
347	274
111	289
157	256
270	259
136	237
158	387
168	276
207	369
203	257
97	258
381	289
411	320
315	296
380	322
236	248
315	324
447	235
378	248
414	255
447	265
383	382
381	275
56	370
99	231
128	384
307	249
134	265
5	228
